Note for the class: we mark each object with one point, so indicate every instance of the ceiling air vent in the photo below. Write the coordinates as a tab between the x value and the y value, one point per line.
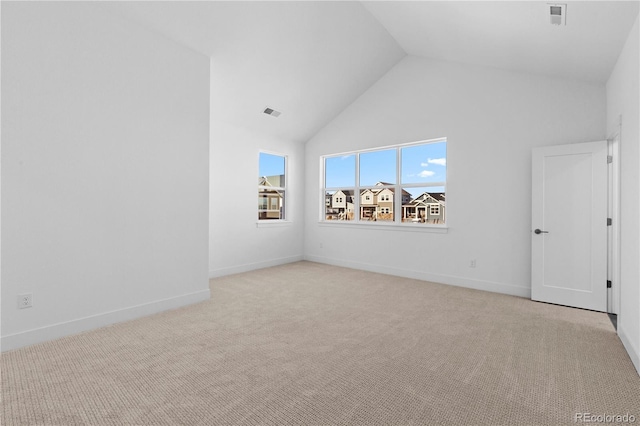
558	13
272	112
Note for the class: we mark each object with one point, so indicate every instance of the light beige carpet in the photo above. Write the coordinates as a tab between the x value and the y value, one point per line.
312	344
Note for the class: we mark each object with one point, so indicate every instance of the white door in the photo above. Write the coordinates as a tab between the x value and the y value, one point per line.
569	225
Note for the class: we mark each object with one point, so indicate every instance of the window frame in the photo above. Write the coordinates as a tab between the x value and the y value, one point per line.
281	189
397	188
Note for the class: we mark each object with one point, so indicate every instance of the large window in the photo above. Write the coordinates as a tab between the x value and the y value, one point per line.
396	184
272	186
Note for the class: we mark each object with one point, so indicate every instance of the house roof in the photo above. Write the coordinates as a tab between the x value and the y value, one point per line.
269	180
439	196
427	198
346	192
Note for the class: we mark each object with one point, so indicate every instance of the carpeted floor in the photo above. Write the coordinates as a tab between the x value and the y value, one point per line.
313	344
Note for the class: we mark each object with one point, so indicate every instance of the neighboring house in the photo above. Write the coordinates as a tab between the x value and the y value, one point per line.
378	204
270	201
339	205
384	199
427	207
275	180
367	197
340	199
368	204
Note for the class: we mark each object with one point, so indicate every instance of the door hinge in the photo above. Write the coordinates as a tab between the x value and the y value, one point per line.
609	159
608	283
609	221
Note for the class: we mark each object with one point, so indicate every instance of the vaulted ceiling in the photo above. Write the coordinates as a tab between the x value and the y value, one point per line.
310	60
513	35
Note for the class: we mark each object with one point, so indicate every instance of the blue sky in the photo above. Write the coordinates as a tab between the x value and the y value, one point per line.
420	164
270	165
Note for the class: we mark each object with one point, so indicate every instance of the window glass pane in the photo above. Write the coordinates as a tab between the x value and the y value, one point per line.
270	204
338	205
378	167
271	186
424	163
376	204
413	194
424	205
340	172
272	168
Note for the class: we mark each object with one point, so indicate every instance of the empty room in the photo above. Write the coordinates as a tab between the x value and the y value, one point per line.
446	228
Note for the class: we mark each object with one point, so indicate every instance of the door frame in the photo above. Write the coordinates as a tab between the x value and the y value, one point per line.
613	234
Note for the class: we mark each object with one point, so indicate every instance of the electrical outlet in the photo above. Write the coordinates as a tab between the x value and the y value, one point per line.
321	245
25	301
472	263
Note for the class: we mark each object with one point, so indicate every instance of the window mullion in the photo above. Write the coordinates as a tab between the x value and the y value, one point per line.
356	192
397	205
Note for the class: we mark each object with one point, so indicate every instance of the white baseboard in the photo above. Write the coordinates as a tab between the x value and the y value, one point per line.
633	352
55	331
221	272
491	286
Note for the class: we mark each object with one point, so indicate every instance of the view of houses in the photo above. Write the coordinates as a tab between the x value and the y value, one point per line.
271	197
377	204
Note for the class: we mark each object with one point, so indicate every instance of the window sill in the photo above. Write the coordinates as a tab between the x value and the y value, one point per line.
407	227
273	223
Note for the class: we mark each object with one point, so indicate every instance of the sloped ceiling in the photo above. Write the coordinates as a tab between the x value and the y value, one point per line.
513	35
310	60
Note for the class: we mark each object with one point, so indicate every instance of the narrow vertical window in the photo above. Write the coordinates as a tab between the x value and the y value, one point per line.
272	186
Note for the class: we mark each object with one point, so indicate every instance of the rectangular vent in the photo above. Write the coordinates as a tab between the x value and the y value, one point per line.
272	112
558	13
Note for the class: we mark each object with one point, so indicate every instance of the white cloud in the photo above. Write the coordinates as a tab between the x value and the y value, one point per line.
424	164
438	161
426	173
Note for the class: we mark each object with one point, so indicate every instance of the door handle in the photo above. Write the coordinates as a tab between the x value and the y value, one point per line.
537	231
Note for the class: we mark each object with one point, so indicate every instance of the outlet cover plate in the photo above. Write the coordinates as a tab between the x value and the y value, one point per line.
25	301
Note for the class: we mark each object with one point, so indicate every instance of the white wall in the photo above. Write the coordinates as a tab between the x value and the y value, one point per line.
492	120
623	93
104	171
236	242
